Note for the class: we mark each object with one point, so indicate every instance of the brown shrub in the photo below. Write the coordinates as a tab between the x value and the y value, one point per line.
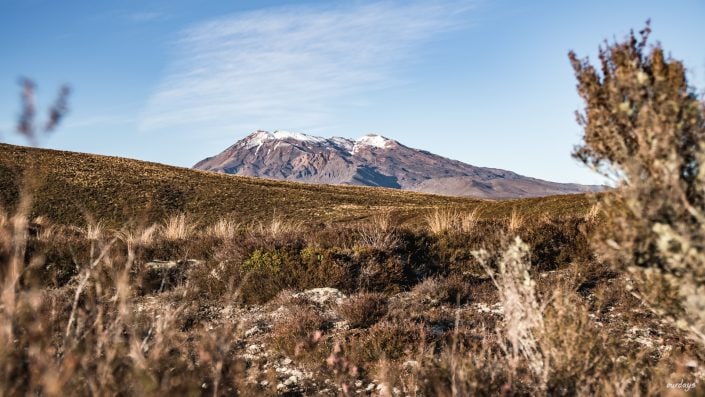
387	340
454	289
644	127
378	233
364	309
299	330
477	370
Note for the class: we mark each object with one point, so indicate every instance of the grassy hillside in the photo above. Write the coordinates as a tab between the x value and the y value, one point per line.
302	308
73	185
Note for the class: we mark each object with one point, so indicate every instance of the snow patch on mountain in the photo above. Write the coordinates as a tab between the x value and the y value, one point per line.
258	138
373	140
297	136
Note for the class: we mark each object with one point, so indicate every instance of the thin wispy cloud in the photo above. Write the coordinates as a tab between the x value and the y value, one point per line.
291	66
145	16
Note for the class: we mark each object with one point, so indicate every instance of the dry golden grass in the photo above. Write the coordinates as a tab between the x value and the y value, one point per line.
177	227
107	345
94	231
223	228
378	232
3	217
276	227
138	236
441	219
468	220
593	213
514	221
450	219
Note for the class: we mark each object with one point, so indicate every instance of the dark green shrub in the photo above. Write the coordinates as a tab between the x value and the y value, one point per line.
267	262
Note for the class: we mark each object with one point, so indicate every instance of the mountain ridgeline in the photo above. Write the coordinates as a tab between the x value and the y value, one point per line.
373	160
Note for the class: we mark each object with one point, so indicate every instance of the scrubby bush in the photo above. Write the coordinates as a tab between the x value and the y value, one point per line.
387	340
644	127
454	289
264	261
299	329
364	309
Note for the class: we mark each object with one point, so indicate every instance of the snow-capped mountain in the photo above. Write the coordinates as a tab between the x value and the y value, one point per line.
373	160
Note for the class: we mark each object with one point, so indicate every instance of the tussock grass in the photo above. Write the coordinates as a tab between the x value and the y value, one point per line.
177	227
378	233
441	220
515	221
93	231
223	228
593	213
444	219
276	227
138	236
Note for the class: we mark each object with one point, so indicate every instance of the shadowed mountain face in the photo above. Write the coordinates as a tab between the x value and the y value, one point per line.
373	160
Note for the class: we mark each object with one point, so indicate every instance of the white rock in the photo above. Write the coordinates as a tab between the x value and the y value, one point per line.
343	325
254	349
252	331
297	373
321	296
248	357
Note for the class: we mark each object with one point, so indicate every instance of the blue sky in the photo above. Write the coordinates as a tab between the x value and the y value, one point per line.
485	82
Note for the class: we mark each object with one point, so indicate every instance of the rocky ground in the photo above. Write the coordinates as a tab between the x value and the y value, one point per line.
316	364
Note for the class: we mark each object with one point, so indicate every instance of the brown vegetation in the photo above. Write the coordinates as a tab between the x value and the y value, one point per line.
115	190
187	283
91	311
645	127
